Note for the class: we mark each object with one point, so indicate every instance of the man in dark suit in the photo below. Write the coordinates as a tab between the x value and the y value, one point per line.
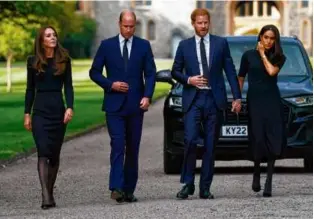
127	97
203	57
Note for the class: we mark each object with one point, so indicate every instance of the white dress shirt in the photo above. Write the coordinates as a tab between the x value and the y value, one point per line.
128	44
198	53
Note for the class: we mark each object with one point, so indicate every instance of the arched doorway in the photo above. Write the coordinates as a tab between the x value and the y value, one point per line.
175	40
248	17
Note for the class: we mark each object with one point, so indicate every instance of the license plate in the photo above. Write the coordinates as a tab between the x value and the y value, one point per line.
234	130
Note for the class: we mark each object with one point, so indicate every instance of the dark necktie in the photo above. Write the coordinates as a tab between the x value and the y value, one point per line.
125	54
204	59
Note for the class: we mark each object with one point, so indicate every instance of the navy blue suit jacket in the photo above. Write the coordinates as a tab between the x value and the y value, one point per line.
220	59
141	61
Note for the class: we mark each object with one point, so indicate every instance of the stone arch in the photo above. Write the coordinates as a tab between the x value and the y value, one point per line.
230	12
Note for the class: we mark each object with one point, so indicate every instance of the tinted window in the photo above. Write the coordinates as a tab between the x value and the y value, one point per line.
293	66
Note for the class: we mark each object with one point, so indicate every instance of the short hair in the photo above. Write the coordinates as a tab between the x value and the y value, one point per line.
123	12
199	12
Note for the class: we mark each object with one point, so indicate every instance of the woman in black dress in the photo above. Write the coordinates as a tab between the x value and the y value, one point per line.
267	137
47	73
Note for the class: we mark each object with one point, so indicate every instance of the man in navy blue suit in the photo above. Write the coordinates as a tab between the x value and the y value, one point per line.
203	57
127	59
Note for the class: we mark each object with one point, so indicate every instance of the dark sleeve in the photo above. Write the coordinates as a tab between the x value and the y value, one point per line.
95	73
178	66
243	66
68	85
280	61
149	73
30	86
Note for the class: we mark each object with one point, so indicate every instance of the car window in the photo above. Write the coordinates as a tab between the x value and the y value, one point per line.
294	65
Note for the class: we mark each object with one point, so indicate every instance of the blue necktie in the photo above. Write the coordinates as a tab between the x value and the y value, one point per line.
125	54
204	60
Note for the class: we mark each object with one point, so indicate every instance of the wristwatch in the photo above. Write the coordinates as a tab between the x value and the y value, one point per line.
264	56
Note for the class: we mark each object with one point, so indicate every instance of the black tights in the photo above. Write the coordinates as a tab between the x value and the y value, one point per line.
270	171
47	171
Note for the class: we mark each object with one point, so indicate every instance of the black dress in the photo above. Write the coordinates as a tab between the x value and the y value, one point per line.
267	135
44	95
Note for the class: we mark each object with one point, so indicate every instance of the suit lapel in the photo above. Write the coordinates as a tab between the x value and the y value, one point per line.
117	45
194	55
212	50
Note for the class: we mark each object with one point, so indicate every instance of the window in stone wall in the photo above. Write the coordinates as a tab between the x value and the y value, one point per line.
138	29
151	30
304	4
244	8
78	5
205	4
135	3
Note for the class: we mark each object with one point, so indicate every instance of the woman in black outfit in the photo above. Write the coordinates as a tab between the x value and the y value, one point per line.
47	72
267	135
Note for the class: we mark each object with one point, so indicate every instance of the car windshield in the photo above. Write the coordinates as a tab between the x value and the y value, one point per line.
294	65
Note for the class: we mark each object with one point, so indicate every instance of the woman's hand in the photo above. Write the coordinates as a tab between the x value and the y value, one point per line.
68	115
260	48
27	122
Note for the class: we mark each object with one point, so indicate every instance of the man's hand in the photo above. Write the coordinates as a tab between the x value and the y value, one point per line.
236	106
68	115
198	81
120	86
144	104
27	122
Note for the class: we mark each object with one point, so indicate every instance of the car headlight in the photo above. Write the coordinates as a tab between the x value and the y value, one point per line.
175	102
301	101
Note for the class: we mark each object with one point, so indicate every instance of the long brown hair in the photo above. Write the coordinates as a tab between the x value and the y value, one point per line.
275	53
61	56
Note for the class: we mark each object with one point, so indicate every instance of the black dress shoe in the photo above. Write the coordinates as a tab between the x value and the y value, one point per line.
256	185
117	195
187	190
205	194
129	197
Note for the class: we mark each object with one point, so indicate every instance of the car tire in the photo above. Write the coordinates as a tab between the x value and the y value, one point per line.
308	163
172	163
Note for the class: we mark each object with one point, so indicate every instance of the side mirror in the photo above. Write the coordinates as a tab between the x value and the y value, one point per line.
164	76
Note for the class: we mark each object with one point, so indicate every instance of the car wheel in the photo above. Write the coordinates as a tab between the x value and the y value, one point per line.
172	163
308	163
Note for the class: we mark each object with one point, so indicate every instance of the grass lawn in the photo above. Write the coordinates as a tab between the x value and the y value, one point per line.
88	100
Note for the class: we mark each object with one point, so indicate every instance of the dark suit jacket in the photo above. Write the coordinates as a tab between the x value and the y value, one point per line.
141	61
220	59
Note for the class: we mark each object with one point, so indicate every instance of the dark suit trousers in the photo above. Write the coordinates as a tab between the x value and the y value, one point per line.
202	113
125	130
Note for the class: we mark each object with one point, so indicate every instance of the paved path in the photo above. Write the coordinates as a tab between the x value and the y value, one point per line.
82	186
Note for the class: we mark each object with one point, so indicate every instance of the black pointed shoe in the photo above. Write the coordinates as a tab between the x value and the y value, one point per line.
129	197
267	188
256	184
117	195
205	194
187	190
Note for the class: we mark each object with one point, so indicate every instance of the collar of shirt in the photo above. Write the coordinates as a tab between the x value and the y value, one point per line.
121	39
198	38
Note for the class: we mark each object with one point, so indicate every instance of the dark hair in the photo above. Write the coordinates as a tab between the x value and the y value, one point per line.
122	14
275	54
199	12
61	55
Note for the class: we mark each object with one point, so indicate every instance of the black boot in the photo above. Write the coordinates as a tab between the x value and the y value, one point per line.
268	183
53	172
43	167
256	184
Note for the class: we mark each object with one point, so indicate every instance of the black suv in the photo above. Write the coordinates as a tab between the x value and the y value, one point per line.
295	84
